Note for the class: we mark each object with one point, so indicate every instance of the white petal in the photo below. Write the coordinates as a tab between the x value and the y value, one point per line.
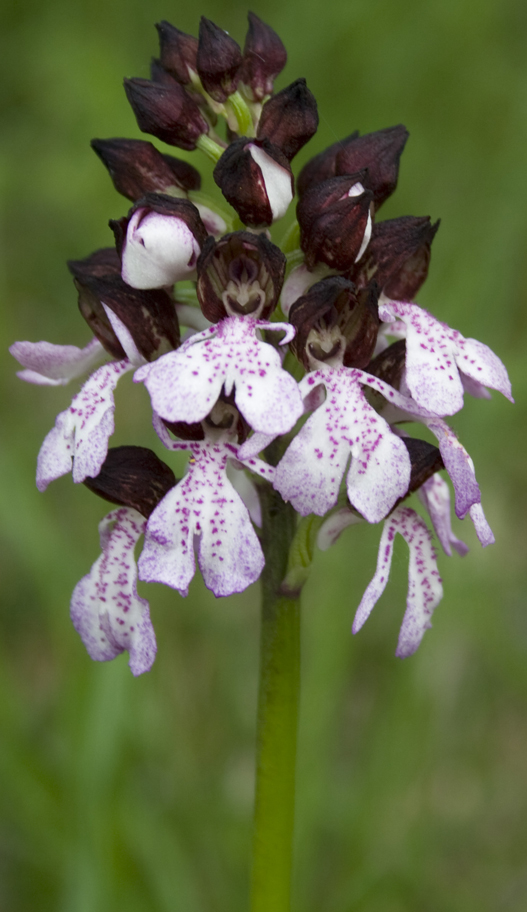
184	385
82	431
125	338
247	490
424	583
333	527
159	250
213	222
278	181
435	495
168	552
55	365
483	530
367	236
479	362
106	610
298	282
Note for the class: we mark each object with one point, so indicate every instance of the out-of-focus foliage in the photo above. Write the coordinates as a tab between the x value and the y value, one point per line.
121	794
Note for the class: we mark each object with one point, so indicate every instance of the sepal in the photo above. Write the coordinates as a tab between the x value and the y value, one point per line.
255	177
136	168
166	110
335	221
398	256
218	60
289	119
178	52
133	476
264	57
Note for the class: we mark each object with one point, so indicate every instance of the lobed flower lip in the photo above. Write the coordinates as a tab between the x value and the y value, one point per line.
437	357
106	609
425	589
184	385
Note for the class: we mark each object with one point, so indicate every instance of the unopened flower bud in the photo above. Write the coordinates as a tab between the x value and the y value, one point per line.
334	325
218	60
255	178
379	152
133	476
149	316
398	256
136	167
159	241
264	57
322	166
335	221
178	52
242	273
290	118
167	111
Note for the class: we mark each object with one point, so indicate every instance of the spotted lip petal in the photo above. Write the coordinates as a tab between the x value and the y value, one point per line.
184	385
435	496
311	470
425	590
203	507
82	431
435	356
105	609
47	364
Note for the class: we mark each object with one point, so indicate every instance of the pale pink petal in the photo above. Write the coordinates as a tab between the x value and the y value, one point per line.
431	371
205	511
332	527
483	530
254	445
184	385
55	365
459	466
435	495
424	583
106	610
125	338
479	362
82	431
168	552
247	490
473	388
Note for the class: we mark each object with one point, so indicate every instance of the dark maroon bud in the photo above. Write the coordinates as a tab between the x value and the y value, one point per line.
149	316
290	118
335	221
133	476
164	205
379	152
102	262
219	58
136	167
399	256
166	111
334	324
390	364
178	52
158	74
242	274
425	460
322	166
255	177
264	57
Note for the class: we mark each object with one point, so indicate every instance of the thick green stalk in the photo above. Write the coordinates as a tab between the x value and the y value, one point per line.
277	714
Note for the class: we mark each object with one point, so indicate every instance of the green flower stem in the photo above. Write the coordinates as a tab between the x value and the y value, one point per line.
288	550
243	122
277	714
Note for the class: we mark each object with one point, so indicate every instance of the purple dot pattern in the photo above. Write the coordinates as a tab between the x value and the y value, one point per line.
81	433
203	512
425	589
185	385
435	496
105	608
344	427
55	365
437	357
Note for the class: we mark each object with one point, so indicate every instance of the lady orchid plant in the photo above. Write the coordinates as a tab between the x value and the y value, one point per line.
289	374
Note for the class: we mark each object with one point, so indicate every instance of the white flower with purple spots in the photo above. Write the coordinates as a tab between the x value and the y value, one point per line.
435	496
344	426
105	609
425	589
185	384
79	440
47	364
205	512
441	363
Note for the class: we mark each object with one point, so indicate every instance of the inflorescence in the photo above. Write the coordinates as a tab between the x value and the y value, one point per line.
297	367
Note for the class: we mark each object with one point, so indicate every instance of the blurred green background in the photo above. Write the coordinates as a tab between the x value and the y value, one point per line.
120	794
